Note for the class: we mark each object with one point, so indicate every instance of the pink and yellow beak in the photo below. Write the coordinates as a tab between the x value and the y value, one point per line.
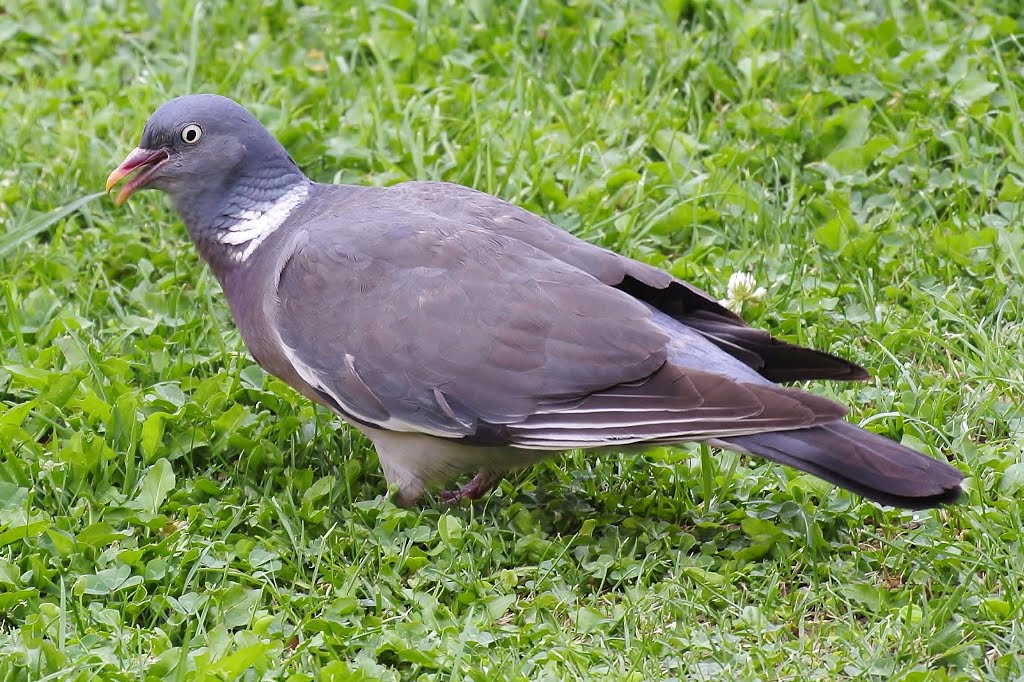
145	161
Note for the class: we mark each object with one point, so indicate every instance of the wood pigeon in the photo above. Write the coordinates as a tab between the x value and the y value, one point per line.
463	334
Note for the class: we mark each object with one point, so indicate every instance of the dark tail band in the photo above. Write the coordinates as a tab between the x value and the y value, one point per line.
860	461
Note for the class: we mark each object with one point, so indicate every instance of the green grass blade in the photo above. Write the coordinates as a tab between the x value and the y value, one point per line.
11	240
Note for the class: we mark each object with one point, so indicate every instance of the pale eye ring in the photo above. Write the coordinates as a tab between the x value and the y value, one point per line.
191	133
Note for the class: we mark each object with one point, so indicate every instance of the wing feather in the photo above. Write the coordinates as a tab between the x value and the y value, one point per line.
675	404
774	359
409	322
405	321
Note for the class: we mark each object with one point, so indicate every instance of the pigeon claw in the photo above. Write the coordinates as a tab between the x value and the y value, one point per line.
481	484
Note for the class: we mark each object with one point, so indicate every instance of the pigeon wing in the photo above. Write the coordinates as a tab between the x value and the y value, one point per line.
405	321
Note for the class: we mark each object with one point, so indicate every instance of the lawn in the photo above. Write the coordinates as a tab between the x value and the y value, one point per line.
169	512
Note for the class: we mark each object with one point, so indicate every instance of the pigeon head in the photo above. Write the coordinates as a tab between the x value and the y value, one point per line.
216	161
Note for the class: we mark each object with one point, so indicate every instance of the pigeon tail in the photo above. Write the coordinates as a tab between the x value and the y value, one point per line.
860	461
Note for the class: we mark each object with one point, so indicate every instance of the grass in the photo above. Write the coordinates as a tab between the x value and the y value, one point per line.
167	512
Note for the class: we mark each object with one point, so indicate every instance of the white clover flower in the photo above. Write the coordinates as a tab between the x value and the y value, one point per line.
742	287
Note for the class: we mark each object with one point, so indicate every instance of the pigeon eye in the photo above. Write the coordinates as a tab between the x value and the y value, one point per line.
191	133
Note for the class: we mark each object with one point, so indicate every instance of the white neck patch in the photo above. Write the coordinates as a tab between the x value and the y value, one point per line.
256	224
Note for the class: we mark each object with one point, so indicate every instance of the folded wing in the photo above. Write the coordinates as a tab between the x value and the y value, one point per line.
418	324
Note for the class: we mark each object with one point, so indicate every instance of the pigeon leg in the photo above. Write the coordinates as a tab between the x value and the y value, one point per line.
474	490
399	473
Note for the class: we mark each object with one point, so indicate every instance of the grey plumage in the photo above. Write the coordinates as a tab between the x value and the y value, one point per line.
464	334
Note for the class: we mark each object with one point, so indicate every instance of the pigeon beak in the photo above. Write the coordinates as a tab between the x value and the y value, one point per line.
145	161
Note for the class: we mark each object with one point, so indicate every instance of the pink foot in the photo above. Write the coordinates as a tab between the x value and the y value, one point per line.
474	490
